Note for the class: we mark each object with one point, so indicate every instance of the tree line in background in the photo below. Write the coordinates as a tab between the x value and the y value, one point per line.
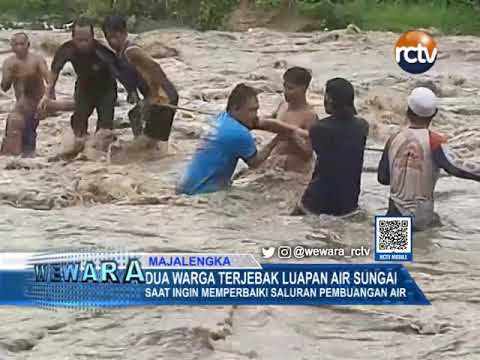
451	16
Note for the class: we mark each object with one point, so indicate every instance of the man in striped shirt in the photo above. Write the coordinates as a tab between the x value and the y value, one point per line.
412	160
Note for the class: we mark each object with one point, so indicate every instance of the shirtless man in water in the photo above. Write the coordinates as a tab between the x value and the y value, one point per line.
294	153
151	120
27	73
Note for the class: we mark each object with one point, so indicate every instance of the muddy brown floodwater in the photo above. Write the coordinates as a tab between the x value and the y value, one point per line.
95	205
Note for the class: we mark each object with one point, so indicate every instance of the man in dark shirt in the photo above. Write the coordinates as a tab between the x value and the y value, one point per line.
95	88
339	144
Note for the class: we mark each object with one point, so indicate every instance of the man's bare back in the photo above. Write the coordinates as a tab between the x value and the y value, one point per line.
289	154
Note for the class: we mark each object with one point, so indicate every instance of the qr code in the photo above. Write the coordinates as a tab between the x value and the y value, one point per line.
394	235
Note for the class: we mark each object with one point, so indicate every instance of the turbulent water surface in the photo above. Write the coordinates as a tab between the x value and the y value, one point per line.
94	205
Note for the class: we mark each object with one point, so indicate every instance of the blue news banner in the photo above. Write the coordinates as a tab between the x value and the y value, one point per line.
120	280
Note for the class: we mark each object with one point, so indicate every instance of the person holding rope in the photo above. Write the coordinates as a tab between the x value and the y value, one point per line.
412	160
339	144
95	88
230	140
137	70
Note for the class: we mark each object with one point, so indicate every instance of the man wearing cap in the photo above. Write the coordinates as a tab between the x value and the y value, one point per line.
339	143
412	160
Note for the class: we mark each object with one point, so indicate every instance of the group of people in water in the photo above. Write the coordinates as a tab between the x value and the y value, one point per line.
332	147
97	68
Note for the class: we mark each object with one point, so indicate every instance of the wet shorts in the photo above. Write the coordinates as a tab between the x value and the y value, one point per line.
154	120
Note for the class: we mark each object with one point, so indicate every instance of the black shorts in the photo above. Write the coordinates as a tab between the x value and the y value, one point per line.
156	121
87	99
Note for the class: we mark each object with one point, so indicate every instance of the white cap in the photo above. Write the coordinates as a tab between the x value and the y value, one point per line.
423	102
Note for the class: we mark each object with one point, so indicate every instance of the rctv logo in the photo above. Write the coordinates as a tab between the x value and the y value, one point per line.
416	51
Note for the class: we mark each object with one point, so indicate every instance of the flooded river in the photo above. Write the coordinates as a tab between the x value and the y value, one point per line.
94	205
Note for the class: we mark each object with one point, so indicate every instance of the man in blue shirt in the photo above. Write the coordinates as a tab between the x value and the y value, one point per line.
217	155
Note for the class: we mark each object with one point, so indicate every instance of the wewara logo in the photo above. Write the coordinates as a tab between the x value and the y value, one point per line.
416	51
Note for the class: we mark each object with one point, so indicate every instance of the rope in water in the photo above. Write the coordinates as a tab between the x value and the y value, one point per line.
174	107
209	113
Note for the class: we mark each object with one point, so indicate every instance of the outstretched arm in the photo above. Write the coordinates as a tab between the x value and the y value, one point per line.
61	105
49	93
59	60
263	154
446	161
275	126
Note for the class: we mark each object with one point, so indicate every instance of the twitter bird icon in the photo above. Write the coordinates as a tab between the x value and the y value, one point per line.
268	252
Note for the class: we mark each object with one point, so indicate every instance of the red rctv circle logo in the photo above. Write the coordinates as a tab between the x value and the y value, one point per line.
416	51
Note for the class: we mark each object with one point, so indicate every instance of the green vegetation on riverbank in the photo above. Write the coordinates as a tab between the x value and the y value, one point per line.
449	16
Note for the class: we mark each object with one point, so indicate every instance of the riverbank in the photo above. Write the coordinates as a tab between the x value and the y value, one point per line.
455	18
448	17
